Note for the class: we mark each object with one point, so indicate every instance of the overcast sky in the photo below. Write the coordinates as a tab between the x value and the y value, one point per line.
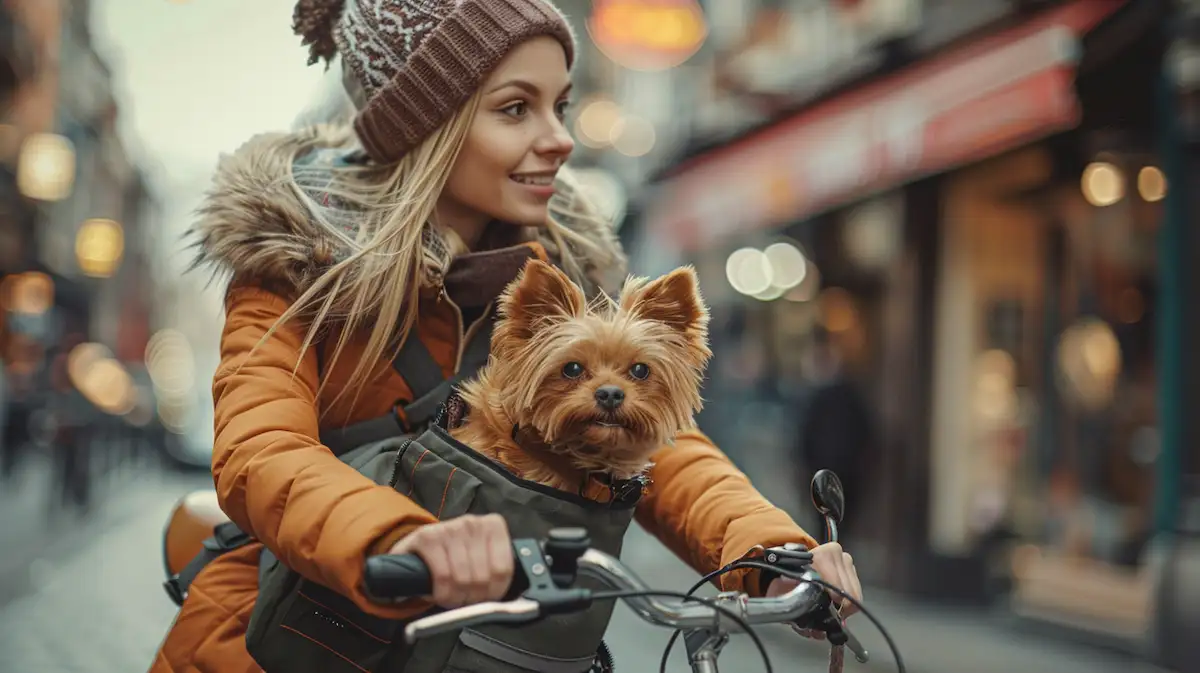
196	77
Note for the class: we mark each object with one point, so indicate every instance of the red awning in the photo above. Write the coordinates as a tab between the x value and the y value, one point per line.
970	103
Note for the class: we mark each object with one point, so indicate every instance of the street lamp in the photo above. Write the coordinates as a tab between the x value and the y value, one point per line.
647	36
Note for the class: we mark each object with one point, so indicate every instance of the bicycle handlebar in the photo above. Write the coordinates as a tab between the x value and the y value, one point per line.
544	583
679	614
397	576
406	576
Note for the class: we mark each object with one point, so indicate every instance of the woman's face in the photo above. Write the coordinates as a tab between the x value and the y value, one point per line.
515	145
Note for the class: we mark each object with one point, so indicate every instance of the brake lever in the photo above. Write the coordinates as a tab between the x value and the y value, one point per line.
519	611
852	643
838	634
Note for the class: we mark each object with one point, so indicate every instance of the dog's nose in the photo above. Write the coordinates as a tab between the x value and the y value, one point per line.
609	397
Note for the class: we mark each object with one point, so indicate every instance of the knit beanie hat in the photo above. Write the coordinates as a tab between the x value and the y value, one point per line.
419	61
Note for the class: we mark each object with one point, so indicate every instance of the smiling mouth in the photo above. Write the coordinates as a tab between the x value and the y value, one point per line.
546	180
607	423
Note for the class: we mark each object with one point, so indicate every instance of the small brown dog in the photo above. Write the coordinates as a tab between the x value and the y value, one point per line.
574	388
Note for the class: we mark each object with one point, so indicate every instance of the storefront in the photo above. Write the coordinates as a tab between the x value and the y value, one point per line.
983	223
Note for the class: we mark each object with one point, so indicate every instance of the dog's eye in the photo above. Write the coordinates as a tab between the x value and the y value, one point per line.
639	371
572	370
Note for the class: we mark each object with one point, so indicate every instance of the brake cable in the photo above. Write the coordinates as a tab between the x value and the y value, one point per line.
735	617
736	565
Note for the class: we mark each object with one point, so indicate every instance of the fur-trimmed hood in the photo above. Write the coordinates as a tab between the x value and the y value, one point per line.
255	225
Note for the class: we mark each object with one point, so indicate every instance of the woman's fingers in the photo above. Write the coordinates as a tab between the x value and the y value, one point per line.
836	567
499	556
471	544
850	584
470	558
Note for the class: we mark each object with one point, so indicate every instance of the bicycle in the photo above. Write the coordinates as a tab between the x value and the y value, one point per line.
547	569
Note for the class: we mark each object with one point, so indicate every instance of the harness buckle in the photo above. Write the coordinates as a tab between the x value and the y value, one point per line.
172	588
227	536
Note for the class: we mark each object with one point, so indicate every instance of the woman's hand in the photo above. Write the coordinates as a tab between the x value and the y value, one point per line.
834	566
470	558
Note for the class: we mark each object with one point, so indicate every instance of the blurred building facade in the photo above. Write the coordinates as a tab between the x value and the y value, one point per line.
968	199
76	215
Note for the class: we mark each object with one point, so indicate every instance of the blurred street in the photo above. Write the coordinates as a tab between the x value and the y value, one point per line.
93	604
943	247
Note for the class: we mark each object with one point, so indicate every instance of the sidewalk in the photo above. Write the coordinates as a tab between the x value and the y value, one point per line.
92	600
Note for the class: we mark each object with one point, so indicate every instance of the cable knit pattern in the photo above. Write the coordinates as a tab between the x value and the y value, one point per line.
419	61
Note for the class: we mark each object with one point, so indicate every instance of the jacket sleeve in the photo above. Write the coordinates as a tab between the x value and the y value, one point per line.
706	511
273	476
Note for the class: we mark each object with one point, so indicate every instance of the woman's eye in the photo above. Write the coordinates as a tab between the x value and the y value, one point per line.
561	108
572	370
517	109
640	371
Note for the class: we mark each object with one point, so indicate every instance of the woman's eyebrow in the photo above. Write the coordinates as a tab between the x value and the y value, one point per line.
529	87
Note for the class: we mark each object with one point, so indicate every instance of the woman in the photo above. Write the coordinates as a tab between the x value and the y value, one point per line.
340	241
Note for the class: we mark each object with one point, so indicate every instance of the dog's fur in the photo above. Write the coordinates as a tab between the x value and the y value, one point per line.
525	411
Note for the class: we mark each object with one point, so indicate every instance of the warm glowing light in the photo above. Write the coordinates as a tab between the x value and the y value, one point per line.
99	245
46	167
1152	184
1102	184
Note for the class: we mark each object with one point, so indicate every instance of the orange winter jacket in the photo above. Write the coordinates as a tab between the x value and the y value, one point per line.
321	517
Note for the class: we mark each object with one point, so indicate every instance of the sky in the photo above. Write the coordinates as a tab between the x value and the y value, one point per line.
197	77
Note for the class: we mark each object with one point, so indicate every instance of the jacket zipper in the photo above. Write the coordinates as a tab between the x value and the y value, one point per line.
464	336
443	296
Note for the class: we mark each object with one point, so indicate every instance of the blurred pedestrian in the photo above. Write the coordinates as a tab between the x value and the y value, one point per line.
836	425
67	420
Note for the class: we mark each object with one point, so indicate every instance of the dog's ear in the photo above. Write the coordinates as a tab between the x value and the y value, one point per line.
673	300
540	293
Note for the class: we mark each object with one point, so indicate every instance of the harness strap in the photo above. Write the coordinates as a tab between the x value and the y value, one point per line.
226	537
342	440
424	377
430	390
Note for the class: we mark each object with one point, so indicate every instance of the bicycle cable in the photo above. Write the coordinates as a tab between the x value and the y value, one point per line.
662	665
762	649
737	565
878	626
857	604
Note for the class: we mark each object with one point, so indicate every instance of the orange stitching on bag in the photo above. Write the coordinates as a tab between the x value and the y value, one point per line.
343	618
412	478
446	491
314	640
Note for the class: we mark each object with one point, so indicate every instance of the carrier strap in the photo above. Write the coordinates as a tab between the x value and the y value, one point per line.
226	537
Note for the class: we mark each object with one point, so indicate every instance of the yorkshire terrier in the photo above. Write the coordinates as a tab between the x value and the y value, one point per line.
577	388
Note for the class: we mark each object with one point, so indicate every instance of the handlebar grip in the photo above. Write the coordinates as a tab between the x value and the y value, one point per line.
392	576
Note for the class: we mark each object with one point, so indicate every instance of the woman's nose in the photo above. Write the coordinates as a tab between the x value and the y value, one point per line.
556	141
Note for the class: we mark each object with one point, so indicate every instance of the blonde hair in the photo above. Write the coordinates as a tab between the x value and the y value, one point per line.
383	218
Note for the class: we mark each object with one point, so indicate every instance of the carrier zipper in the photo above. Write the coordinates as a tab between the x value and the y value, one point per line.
603	663
396	466
325	616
